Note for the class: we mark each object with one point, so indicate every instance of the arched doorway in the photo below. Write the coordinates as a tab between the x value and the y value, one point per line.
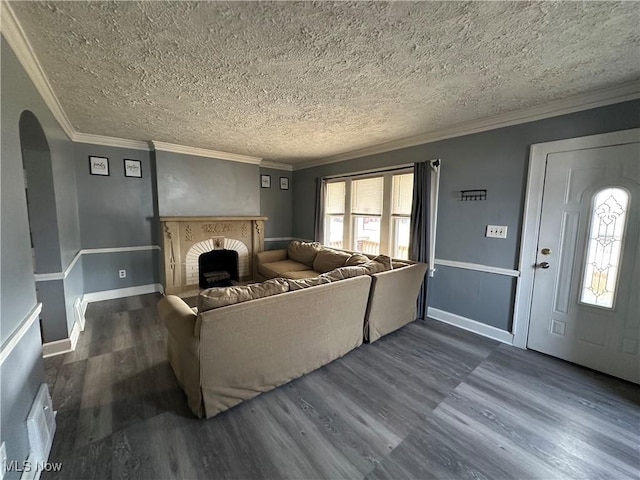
41	206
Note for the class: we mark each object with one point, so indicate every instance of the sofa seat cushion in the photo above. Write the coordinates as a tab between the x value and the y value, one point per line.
276	269
222	296
301	274
303	252
327	259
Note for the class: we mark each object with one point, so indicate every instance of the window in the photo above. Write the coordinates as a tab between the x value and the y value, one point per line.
370	214
401	214
366	213
604	247
334	214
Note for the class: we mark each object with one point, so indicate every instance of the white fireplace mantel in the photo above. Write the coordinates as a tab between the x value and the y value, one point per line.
180	234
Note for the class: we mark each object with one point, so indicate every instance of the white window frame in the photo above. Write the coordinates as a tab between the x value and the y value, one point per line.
386	218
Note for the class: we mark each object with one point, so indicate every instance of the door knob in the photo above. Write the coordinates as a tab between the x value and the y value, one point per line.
545	251
544	265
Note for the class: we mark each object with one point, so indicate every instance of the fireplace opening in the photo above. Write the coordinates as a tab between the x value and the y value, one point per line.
218	268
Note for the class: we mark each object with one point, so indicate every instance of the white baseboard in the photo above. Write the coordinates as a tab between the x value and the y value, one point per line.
470	325
65	345
78	312
121	293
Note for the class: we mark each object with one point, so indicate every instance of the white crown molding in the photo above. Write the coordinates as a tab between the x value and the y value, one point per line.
15	35
13	32
276	165
584	101
202	152
110	141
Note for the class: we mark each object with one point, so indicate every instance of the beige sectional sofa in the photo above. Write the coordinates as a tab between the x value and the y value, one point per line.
392	300
245	340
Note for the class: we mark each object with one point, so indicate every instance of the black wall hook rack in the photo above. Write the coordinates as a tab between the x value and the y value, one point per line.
472	195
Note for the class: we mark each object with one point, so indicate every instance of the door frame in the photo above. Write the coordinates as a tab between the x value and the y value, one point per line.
533	211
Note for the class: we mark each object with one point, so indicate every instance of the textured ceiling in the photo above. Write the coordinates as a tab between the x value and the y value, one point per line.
298	81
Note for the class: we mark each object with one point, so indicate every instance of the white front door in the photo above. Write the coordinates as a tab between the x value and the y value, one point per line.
585	305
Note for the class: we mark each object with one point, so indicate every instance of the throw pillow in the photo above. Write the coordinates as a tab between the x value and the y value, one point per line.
381	263
356	259
303	252
385	260
343	273
398	264
328	259
223	296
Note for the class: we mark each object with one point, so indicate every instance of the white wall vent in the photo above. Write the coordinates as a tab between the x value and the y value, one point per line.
41	425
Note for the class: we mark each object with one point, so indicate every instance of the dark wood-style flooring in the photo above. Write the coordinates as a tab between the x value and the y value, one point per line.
428	401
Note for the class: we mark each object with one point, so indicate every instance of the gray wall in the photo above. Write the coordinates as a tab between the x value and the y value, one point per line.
101	270
496	160
114	210
278	206
189	186
22	371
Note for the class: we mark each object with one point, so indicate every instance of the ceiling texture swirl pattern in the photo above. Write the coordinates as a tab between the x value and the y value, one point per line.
292	82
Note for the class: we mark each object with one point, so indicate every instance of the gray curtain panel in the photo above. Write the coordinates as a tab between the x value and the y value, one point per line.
319	220
420	224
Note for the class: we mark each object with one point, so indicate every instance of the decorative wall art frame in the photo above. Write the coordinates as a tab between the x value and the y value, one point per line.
265	181
99	166
132	168
284	183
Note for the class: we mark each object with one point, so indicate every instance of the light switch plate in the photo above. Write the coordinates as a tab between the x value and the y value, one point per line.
496	231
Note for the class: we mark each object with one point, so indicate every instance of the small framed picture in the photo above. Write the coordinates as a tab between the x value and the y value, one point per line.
265	181
284	183
99	166
132	168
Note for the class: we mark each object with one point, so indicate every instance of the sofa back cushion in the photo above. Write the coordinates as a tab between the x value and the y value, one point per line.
222	296
327	259
303	252
301	283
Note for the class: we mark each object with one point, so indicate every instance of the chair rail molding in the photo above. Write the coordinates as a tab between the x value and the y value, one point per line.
15	338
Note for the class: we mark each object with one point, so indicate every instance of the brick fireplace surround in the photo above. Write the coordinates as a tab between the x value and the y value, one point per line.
185	238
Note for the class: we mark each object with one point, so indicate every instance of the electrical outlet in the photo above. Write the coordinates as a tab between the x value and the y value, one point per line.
3	460
122	273
496	231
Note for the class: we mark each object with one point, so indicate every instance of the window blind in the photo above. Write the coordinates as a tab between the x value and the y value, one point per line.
335	198
366	196
402	194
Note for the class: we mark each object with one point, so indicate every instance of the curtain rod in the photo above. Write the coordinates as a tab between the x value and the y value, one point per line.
370	172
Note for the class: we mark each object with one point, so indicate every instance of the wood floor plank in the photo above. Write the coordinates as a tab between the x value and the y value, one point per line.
96	415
